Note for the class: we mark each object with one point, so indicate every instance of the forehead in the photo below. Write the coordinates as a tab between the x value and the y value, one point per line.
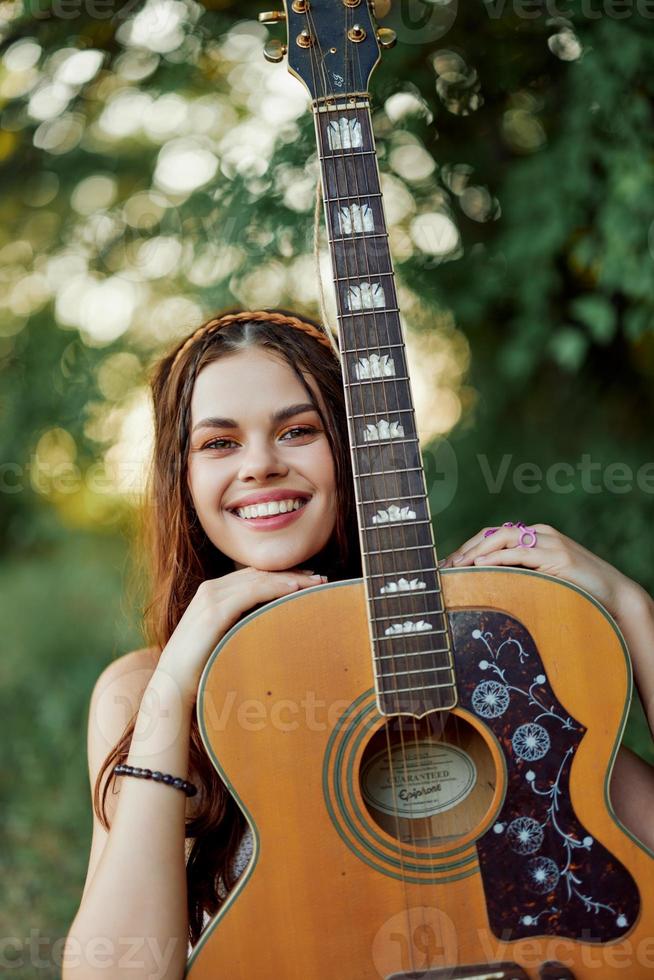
247	383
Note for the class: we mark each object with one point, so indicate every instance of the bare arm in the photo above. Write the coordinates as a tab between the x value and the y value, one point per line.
634	613
132	920
133	913
632	780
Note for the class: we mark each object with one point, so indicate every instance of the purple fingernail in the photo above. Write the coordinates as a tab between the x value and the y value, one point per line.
490	531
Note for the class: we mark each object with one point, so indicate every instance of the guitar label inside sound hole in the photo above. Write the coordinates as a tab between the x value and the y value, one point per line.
418	779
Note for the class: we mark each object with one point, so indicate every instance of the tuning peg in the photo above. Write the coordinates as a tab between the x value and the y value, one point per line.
386	37
274	51
381	8
271	16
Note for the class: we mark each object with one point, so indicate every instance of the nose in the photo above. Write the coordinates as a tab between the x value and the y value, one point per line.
261	461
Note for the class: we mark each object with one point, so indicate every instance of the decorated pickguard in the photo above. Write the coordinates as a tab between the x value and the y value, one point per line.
543	873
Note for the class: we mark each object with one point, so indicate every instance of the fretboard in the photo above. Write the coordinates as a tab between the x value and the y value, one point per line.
412	658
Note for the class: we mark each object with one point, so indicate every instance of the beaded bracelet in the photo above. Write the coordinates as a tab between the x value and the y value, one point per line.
157	777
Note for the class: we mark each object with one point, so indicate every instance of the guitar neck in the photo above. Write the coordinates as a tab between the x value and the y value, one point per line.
410	640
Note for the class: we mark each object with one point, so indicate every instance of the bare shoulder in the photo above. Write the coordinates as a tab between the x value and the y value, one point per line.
128	667
115	701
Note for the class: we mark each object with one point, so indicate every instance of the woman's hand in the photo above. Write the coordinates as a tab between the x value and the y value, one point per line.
216	606
553	553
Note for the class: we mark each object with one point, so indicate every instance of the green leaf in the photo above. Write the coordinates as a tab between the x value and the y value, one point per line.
598	314
568	347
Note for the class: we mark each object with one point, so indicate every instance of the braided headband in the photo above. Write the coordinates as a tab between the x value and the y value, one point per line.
258	316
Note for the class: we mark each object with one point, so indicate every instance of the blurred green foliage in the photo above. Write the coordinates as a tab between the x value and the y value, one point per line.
164	177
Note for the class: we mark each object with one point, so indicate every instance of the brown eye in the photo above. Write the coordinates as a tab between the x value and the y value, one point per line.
219	444
299	430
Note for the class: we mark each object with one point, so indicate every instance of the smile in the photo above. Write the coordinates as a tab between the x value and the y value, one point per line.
271	515
270	508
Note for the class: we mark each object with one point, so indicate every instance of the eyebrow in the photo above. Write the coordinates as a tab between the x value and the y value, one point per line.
215	422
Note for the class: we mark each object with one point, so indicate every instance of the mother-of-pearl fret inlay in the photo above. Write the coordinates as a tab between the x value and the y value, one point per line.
375	366
408	627
383	429
345	133
403	585
394	513
365	296
355	218
409	632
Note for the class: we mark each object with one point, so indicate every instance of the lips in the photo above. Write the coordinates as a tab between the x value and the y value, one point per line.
268	496
274	518
269	509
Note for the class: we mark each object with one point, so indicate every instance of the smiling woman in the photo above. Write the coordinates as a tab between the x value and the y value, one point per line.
261	472
251	481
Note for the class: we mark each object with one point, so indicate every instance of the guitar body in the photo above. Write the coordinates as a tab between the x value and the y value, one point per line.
491	845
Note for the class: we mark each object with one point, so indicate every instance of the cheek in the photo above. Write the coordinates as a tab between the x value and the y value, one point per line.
324	470
206	483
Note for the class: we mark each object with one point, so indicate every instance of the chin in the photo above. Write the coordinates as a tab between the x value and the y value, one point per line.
275	557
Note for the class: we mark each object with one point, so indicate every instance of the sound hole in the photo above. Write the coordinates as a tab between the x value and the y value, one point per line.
427	781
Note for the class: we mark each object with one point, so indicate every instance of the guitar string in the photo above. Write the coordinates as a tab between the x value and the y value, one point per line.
397	477
330	205
367	116
365	121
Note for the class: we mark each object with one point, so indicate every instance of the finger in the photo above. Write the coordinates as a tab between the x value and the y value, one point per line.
467	545
505	537
525	557
478	544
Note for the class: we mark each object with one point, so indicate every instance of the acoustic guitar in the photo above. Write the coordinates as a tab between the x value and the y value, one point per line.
423	757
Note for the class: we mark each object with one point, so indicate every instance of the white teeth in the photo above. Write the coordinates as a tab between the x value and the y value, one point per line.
270	507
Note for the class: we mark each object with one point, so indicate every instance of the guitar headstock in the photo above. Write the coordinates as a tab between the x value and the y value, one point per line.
332	45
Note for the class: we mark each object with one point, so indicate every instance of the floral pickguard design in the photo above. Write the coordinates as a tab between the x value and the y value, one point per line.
542	871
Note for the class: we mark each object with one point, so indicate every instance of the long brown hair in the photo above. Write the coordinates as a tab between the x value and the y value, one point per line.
180	556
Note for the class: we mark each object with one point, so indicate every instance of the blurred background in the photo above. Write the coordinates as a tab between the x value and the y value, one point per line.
156	168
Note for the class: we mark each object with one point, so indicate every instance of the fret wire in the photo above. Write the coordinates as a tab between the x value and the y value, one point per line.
414	496
347	155
412	690
386	551
416	670
410	522
380	309
355	198
388	440
415	653
357	236
412	571
394	636
408	592
399	469
365	381
390	411
358	350
357	278
389	618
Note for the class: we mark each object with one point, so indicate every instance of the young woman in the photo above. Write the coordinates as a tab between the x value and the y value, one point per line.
250	499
